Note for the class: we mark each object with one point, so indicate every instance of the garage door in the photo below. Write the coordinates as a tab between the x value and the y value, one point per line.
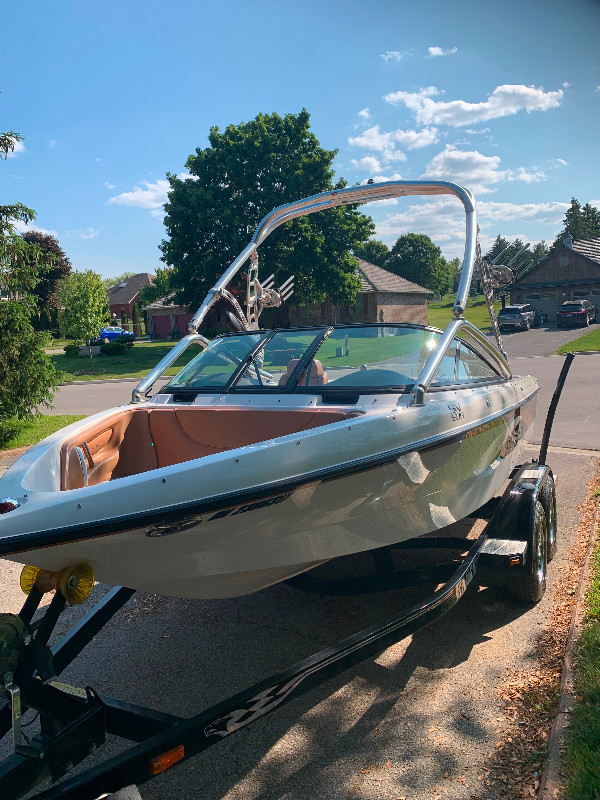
545	305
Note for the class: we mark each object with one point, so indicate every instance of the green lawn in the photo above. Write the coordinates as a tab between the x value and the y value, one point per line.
440	314
589	341
23	433
135	363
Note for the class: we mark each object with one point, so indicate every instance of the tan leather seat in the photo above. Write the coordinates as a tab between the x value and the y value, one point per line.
317	376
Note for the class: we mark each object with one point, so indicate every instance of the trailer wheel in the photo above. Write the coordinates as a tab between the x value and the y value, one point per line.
530	584
548	500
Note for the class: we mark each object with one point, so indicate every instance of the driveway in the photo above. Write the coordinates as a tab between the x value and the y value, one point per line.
539	341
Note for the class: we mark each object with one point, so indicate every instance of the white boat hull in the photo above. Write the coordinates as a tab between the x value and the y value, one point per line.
291	502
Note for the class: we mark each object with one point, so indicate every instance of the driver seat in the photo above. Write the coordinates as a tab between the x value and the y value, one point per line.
313	376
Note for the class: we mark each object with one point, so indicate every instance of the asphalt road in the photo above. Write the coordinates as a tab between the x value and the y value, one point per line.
416	722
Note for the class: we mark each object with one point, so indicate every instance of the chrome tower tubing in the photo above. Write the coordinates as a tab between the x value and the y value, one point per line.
350	196
139	393
435	359
466	275
433	362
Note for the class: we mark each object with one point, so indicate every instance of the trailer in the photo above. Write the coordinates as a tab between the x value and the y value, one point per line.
518	541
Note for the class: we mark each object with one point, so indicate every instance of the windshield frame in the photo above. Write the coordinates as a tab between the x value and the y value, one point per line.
292	385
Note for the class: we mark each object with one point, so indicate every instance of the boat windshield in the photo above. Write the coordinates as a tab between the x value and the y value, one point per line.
374	357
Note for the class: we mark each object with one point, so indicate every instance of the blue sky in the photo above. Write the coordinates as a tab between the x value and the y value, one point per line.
503	98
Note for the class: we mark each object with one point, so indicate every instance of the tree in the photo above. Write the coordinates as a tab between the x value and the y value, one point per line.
248	170
27	376
135	321
86	310
372	251
161	287
58	265
579	223
124	319
416	258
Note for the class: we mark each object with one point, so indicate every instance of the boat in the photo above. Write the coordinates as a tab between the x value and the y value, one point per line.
273	451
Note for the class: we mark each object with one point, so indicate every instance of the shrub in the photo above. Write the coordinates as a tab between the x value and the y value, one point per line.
72	350
117	346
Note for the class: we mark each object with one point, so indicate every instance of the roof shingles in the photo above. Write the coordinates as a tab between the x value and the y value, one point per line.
376	279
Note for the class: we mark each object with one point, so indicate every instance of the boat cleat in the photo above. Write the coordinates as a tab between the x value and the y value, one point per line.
74	583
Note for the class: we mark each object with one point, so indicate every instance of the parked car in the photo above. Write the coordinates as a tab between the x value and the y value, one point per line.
522	317
576	312
113	332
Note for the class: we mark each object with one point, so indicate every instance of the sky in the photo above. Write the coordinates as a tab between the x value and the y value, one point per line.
503	98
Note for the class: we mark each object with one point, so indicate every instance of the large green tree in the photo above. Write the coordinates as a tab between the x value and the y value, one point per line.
415	257
247	170
372	251
27	376
58	267
86	309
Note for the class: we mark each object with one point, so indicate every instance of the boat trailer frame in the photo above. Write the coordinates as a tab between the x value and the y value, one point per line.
74	722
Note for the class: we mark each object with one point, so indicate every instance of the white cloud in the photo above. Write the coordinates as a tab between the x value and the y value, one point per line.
527	177
19	148
152	196
370	163
597	89
467	167
540	213
52	142
504	101
414	140
385	142
562	162
392	55
380	141
22	227
436	52
473	132
108	185
443	220
365	113
84	233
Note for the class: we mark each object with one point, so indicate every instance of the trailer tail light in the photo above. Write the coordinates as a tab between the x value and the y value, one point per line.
166	760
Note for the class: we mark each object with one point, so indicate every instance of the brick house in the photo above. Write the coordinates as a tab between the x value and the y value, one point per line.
572	272
383	297
125	294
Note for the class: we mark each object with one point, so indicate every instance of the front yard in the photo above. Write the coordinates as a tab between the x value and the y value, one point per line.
134	363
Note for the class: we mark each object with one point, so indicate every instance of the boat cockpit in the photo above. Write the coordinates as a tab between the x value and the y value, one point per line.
339	364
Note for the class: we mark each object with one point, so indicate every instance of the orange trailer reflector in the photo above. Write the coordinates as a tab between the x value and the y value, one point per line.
162	762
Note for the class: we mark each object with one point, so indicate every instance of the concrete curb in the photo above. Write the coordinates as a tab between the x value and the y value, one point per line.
551	783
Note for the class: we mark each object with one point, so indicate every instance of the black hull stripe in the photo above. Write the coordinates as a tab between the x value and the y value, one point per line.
21	543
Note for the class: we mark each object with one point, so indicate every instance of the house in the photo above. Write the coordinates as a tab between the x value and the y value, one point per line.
572	272
383	297
164	320
124	295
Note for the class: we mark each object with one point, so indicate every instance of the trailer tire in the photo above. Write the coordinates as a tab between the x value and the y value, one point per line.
530	584
548	500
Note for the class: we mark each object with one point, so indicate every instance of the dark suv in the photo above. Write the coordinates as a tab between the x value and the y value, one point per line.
576	312
522	317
